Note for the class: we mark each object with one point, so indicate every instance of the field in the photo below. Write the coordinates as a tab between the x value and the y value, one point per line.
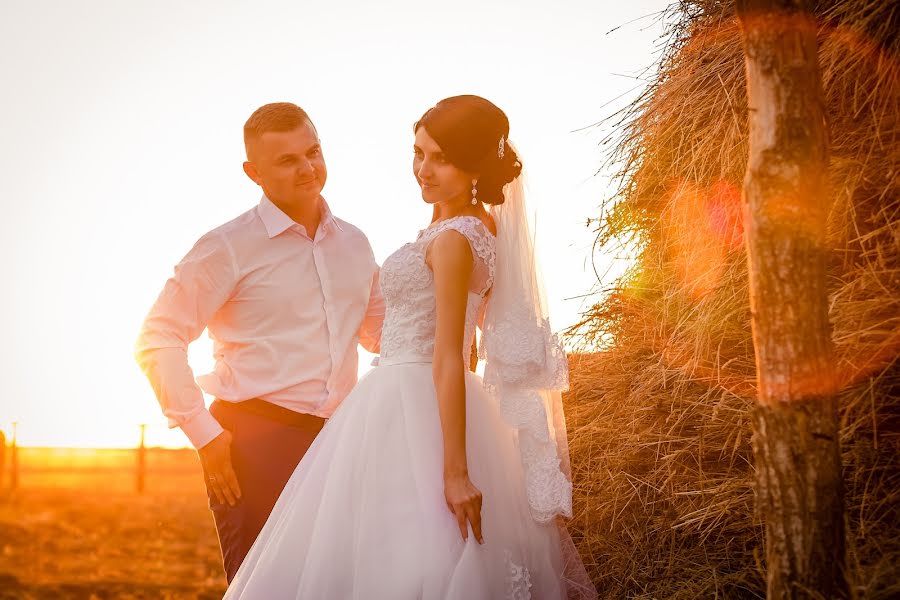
76	528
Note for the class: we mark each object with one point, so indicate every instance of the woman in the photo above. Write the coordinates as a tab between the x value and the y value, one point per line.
429	482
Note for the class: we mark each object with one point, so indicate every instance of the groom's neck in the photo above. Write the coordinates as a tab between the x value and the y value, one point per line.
308	214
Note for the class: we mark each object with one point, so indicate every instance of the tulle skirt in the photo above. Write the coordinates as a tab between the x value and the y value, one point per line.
364	515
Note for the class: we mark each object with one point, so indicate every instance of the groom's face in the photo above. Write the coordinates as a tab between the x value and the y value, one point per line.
288	165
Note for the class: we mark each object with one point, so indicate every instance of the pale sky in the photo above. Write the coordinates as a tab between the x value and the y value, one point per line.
122	144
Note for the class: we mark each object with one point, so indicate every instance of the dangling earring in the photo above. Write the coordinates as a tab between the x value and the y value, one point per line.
474	192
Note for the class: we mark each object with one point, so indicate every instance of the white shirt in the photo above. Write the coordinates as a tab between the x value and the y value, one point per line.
285	312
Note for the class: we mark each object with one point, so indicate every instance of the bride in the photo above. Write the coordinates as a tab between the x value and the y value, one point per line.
429	482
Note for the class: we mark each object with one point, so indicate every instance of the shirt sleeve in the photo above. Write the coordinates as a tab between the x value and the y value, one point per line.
202	283
370	330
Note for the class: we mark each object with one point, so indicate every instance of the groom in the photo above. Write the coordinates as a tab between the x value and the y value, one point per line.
287	291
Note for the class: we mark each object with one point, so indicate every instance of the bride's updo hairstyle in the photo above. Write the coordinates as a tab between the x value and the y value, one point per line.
469	130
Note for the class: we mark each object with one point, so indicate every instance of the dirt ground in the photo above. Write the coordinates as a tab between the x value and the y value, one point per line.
90	535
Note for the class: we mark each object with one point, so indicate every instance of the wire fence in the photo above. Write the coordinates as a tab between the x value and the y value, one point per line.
140	469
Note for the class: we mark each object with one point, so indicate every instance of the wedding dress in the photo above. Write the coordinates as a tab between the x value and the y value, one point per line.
364	515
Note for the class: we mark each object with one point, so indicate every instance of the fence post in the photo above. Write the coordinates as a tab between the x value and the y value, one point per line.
141	461
14	475
2	457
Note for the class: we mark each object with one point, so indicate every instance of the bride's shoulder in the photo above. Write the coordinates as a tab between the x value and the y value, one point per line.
471	227
471	234
490	224
474	225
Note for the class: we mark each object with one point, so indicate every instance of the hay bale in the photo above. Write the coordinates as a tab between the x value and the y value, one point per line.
659	418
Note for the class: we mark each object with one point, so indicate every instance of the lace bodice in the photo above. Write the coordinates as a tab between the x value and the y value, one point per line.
408	287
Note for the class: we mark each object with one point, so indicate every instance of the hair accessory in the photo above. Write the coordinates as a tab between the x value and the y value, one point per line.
501	148
474	192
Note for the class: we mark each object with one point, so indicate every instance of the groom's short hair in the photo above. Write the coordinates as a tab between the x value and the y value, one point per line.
277	116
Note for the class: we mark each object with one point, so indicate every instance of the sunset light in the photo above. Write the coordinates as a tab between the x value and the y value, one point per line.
631	271
128	147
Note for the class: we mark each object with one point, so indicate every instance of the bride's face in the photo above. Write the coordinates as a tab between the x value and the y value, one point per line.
440	180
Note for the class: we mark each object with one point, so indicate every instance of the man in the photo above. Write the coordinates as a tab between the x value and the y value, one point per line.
287	291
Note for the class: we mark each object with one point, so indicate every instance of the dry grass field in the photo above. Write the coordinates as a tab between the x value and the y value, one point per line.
76	528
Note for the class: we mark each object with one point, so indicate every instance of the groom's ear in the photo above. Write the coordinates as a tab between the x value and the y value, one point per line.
252	172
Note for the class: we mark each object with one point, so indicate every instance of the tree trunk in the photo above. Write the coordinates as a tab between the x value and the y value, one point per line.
795	438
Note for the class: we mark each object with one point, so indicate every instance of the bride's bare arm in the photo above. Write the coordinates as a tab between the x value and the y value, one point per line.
450	258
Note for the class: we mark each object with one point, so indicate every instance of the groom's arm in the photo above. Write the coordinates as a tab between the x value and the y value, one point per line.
202	282
370	330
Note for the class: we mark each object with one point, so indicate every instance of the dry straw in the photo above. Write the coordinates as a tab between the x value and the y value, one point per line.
660	428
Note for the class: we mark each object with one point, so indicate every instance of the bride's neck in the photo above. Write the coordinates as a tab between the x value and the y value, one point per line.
456	207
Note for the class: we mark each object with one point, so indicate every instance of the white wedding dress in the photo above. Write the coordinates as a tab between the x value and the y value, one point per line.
364	515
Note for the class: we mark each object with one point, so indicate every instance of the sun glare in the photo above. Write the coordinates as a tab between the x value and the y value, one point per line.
115	183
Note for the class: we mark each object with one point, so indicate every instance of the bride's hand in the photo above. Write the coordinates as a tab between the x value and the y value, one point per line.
464	501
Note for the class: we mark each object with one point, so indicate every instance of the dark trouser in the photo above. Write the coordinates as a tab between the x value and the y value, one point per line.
268	442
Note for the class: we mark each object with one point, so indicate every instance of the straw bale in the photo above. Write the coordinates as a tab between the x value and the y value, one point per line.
661	393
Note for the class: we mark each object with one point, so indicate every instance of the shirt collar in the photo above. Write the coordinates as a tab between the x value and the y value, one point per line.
328	217
277	222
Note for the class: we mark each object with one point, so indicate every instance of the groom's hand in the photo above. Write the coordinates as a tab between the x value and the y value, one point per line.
215	457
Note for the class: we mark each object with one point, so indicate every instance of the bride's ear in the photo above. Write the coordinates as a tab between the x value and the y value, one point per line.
252	173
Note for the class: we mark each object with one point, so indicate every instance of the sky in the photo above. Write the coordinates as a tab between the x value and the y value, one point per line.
122	144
